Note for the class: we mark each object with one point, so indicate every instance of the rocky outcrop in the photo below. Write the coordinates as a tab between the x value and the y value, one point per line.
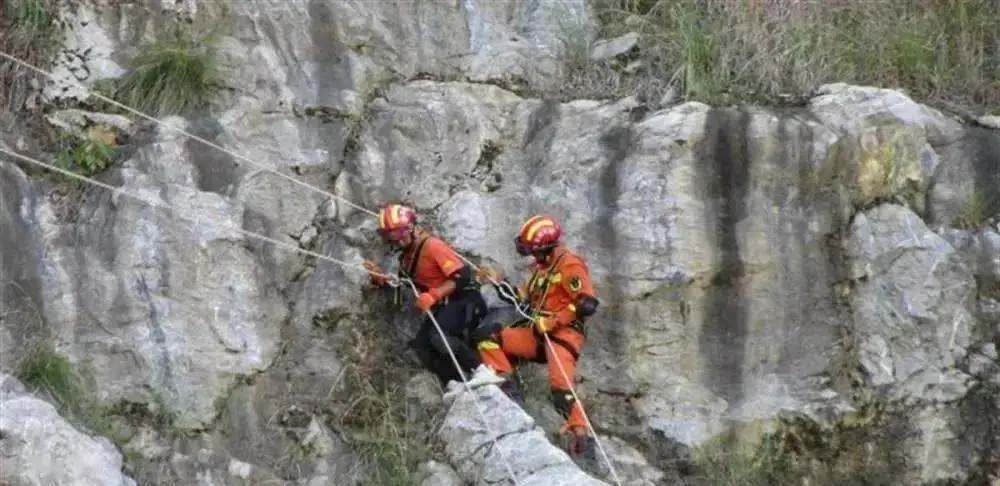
752	263
147	324
510	444
39	447
913	305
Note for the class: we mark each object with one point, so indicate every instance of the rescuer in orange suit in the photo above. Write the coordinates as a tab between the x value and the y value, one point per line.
448	289
560	297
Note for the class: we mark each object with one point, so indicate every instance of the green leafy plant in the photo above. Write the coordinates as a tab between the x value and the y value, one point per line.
84	156
171	76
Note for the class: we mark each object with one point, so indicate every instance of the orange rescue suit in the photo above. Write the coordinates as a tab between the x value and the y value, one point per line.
553	293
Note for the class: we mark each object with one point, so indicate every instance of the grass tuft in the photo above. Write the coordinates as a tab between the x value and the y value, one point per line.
778	52
390	437
388	444
30	32
171	76
50	373
977	211
763	466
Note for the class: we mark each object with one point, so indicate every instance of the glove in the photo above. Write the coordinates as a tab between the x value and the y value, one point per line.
375	273
426	301
542	325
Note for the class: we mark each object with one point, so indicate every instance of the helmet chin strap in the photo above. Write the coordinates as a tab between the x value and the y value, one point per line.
543	257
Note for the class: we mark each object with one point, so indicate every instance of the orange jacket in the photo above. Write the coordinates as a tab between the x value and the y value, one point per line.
436	262
553	291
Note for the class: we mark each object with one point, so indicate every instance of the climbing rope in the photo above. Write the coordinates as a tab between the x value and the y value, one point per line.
394	281
190	135
317	190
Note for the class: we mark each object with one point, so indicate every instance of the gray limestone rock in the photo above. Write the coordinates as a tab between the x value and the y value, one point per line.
730	247
40	447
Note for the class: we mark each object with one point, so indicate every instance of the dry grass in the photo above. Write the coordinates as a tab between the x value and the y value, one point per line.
977	211
778	51
372	409
775	462
28	31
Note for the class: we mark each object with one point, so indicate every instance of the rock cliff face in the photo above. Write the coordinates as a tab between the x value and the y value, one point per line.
822	275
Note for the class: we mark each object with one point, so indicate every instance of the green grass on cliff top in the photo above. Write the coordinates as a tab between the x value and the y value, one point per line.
717	51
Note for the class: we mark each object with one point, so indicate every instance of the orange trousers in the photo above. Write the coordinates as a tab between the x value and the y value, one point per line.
525	343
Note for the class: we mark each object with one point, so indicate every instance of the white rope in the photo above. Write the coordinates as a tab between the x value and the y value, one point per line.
121	191
192	136
468	387
308	186
394	281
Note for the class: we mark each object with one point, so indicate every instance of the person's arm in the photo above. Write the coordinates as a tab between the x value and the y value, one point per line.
451	266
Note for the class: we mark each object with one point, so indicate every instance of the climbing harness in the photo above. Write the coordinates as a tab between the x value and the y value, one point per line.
395	281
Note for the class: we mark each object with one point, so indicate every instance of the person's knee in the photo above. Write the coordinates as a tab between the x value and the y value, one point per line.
563	401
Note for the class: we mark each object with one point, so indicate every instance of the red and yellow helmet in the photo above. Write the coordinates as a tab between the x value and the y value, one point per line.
538	234
395	220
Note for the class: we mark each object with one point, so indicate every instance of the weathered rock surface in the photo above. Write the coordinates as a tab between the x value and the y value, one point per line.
510	444
611	48
435	474
751	262
913	324
40	447
153	300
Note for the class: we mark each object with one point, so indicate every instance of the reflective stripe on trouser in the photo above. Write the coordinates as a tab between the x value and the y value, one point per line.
523	342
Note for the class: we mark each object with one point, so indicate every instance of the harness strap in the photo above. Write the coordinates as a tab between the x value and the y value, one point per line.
409	272
545	284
